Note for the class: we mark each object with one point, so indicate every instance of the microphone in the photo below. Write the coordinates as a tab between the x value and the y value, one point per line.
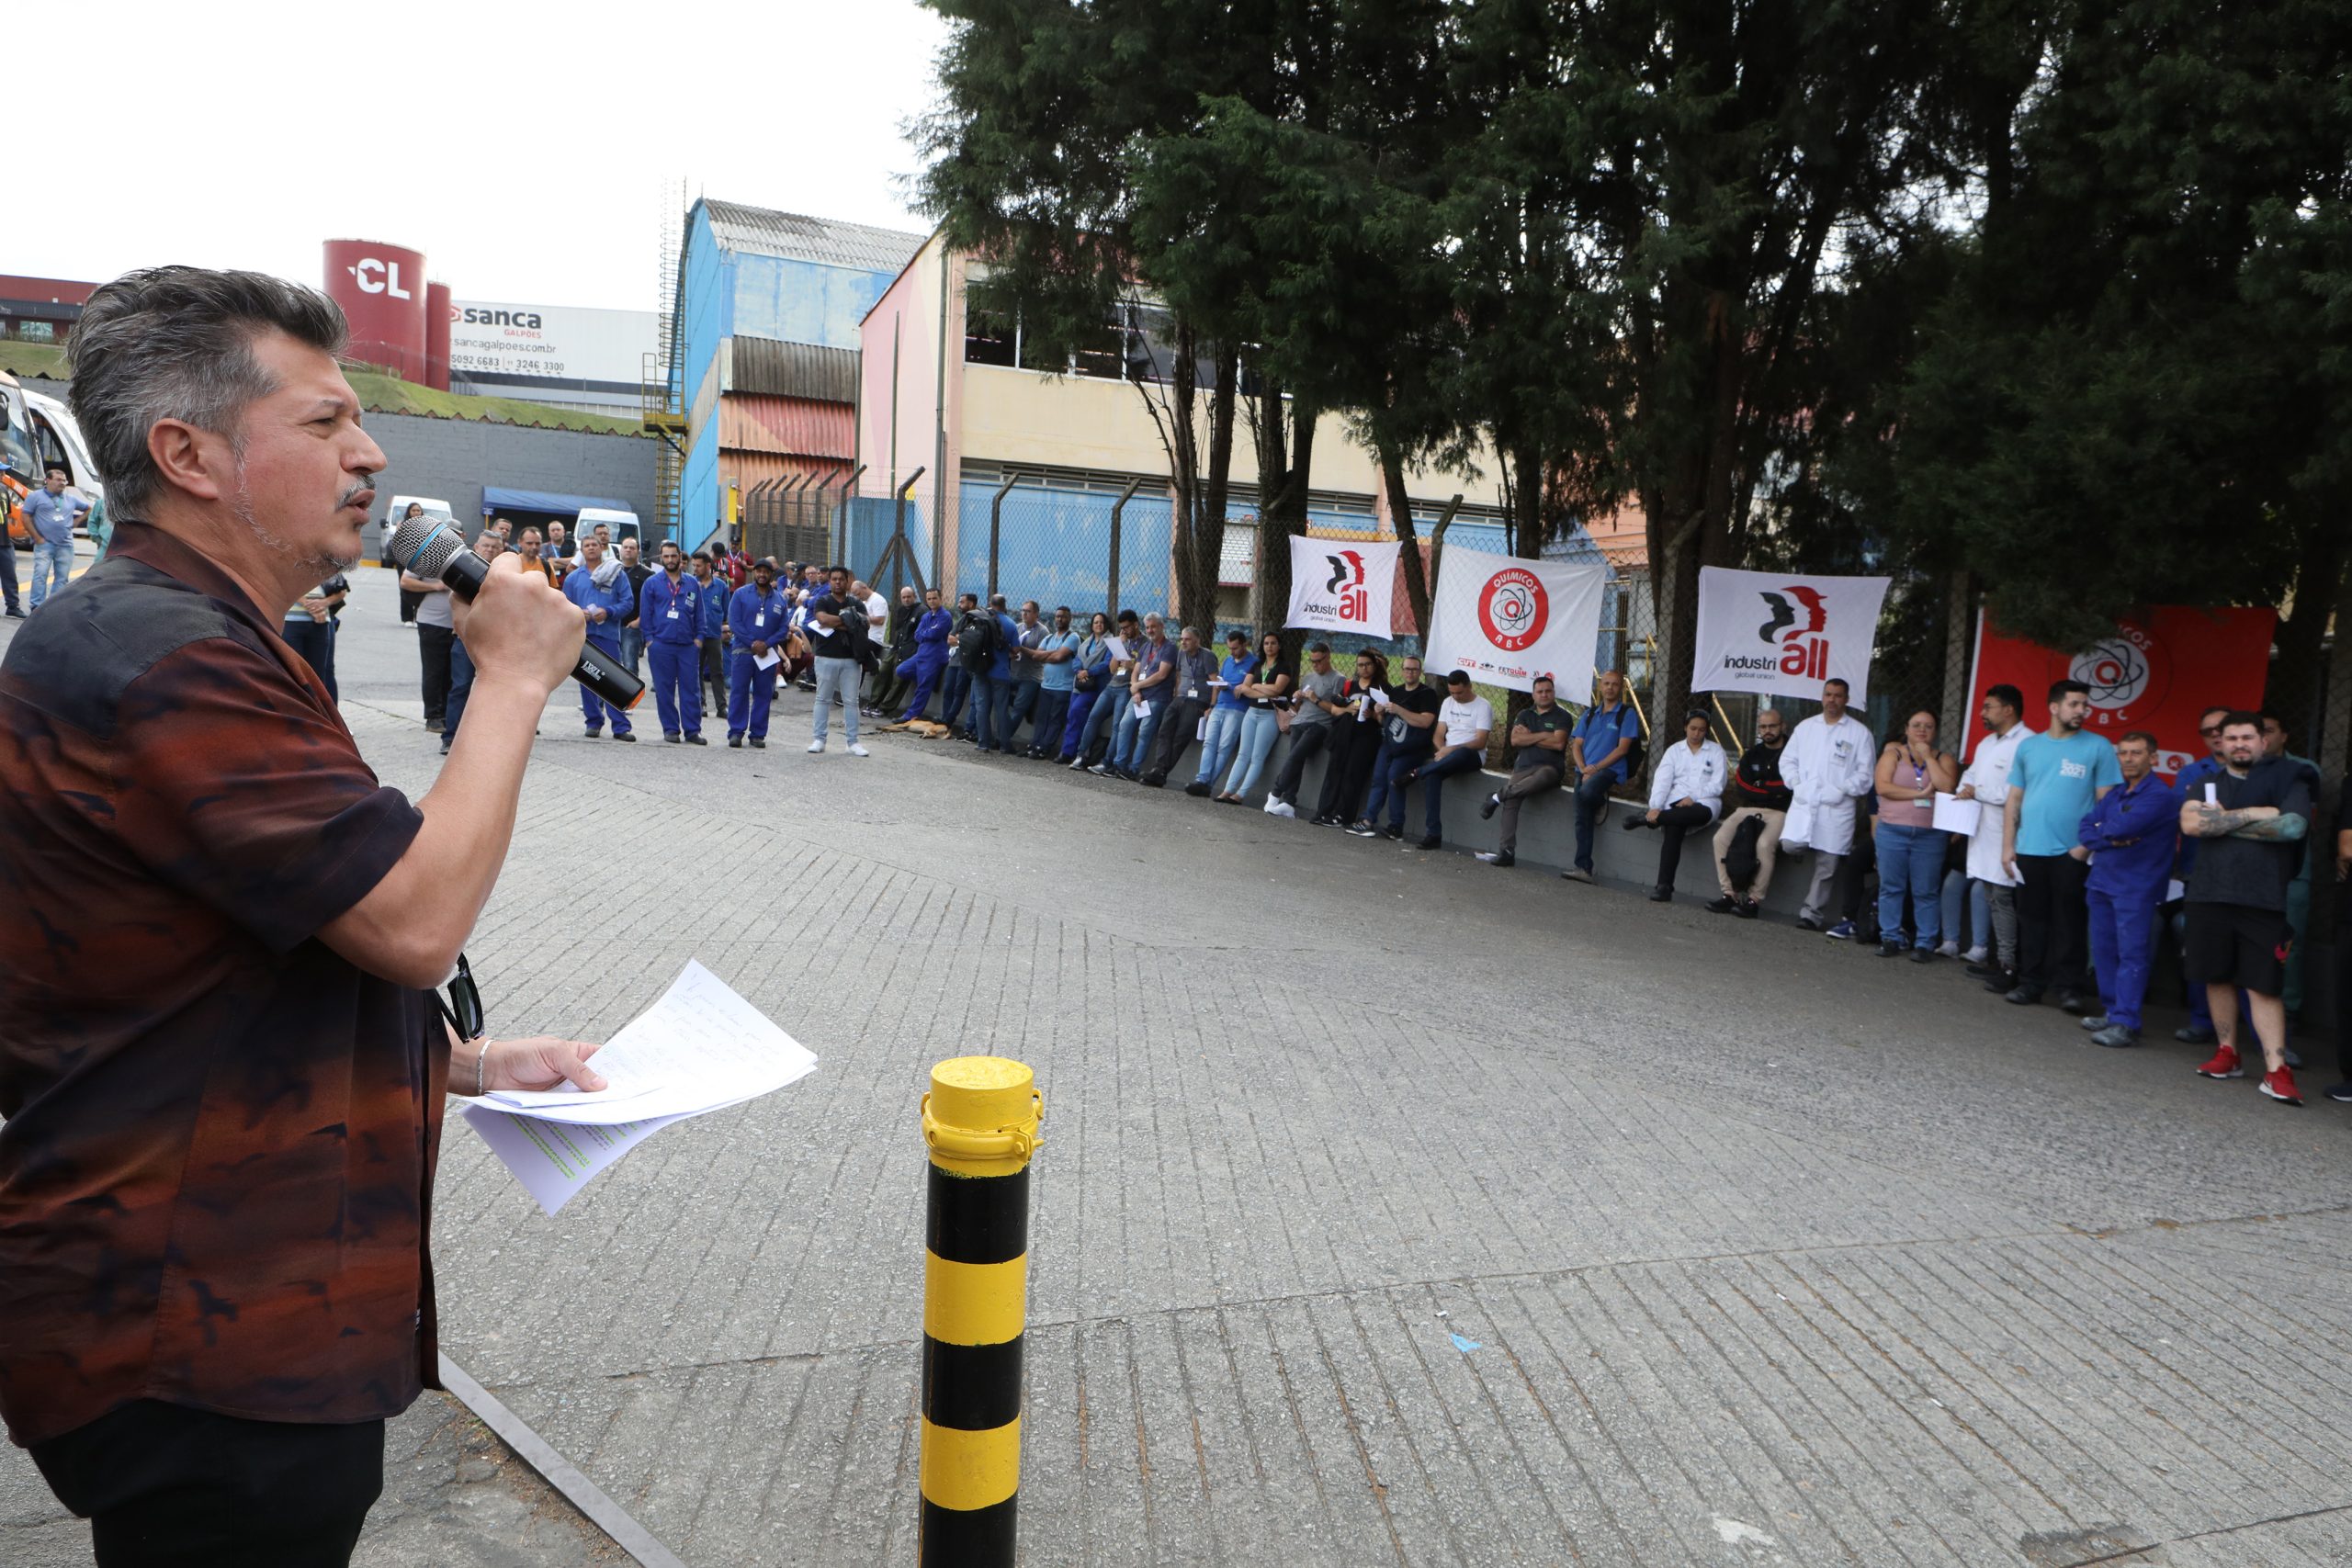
432	548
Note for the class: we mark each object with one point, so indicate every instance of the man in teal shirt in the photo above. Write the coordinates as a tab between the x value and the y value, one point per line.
2058	776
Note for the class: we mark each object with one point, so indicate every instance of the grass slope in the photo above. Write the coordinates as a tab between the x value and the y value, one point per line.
379	393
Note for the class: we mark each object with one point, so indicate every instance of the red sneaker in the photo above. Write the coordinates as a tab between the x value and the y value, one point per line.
2224	1064
2281	1087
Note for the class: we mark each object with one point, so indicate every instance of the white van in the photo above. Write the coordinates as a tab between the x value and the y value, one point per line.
624	525
396	510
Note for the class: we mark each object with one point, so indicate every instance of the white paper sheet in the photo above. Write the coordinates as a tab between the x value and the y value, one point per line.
1201	730
765	661
1954	815
701	1047
554	1160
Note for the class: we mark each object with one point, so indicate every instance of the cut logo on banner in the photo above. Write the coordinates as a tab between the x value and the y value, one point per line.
2158	672
1507	620
1781	634
1341	585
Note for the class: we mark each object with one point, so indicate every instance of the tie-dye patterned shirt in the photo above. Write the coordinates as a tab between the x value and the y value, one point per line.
219	1139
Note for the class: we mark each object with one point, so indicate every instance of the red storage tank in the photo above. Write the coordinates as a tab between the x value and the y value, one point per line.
381	289
438	316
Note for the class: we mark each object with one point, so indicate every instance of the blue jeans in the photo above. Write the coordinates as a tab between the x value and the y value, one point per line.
633	649
1392	767
1432	778
314	641
53	564
1131	742
1219	744
2123	942
1592	796
1260	727
956	685
1910	861
984	708
461	685
677	685
1959	886
1014	699
837	677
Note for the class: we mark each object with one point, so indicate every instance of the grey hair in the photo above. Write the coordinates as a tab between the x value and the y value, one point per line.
176	342
1193	632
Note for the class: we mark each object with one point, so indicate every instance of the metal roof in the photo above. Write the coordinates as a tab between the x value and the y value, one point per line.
791	369
826	240
797	426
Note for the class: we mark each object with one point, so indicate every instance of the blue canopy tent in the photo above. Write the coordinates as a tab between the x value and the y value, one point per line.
541	505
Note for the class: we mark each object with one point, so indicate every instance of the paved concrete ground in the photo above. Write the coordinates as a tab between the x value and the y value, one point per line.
1392	1208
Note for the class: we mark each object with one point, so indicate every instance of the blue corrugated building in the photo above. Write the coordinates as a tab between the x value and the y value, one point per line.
764	348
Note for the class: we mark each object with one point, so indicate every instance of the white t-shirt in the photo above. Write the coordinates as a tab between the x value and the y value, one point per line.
1462	721
877	618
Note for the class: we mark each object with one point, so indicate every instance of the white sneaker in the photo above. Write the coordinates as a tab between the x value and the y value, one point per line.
1948	949
1279	808
1973	955
857	750
815	746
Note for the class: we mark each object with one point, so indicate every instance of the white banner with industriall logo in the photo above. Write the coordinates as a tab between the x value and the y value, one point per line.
1773	633
1507	620
1341	585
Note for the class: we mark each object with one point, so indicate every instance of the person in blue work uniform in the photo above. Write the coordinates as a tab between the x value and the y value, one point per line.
715	595
601	589
756	621
2129	836
668	613
930	655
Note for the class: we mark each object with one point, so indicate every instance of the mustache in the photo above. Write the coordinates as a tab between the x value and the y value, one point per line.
364	485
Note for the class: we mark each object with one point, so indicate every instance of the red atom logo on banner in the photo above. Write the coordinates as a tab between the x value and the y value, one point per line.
1512	609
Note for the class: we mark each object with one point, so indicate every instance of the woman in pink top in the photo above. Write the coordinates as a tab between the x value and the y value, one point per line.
1910	849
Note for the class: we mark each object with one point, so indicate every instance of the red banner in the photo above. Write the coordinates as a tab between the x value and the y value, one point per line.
2160	670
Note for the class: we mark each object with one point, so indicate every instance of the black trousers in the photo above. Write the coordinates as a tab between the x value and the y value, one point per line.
1174	734
2053	923
1673	824
1348	772
9	567
1306	739
165	1486
433	647
714	675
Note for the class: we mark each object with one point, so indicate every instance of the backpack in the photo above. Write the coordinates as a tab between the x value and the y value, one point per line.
975	638
1740	861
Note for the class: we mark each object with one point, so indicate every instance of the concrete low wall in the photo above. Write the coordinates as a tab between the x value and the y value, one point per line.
1547	838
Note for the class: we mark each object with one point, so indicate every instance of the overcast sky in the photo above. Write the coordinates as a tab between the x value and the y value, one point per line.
521	148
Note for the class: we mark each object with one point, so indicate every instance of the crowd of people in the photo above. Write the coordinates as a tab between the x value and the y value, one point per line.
2052	864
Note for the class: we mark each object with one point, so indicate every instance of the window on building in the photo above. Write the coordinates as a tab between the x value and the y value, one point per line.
991	340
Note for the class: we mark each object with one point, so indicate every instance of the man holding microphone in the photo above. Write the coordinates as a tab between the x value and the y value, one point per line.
222	1069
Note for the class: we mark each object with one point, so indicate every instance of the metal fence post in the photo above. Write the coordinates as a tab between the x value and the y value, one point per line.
979	1123
1118	513
996	529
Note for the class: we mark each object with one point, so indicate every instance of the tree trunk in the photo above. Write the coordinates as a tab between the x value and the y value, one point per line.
1285	459
2292	690
1400	518
1960	628
1199	542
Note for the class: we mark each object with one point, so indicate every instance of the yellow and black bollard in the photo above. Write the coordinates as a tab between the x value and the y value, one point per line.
980	1123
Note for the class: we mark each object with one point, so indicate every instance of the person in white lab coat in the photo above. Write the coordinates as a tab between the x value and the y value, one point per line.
1987	782
1686	793
1827	767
